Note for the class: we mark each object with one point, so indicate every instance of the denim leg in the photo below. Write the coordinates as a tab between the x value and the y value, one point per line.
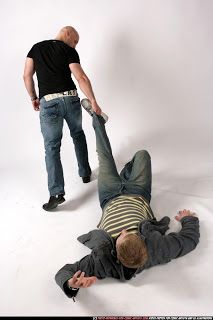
73	118
137	175
51	123
109	181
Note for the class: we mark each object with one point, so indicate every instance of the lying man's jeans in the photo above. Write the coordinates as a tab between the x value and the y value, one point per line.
135	178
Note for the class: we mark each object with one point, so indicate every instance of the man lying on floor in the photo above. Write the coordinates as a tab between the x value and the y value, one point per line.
128	239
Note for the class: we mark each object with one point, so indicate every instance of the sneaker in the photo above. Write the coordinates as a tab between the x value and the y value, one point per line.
86	179
51	204
88	107
60	198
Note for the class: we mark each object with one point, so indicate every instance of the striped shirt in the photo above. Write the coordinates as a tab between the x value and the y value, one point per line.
124	212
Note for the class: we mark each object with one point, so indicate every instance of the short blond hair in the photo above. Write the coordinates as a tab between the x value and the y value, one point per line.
132	251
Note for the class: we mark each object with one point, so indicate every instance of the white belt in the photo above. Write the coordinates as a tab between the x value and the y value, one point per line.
52	96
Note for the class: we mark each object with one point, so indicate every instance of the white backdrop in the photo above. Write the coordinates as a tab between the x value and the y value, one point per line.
150	64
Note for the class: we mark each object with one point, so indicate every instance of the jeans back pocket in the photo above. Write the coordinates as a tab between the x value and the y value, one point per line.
50	111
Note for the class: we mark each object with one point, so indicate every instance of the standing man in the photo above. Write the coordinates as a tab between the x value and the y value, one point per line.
54	61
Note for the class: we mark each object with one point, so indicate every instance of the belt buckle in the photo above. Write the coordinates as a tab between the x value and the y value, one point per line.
69	93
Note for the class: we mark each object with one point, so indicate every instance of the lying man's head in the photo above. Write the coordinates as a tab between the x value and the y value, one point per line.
131	250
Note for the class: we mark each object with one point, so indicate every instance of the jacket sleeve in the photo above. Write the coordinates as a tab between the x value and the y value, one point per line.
167	247
89	264
86	264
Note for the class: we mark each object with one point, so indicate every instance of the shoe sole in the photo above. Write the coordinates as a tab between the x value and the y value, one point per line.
61	201
88	107
52	207
86	181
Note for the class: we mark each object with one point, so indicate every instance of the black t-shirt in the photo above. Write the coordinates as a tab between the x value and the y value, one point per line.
51	60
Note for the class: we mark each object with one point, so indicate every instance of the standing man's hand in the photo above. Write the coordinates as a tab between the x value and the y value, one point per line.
80	281
36	104
96	107
184	213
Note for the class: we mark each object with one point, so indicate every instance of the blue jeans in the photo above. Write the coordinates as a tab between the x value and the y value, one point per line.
135	177
52	115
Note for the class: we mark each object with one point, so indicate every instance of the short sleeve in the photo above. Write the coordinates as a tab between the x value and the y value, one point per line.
73	56
30	53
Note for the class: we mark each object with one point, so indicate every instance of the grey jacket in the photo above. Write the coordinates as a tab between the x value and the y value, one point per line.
102	261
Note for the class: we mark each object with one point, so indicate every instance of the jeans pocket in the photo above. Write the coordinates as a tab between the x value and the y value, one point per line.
50	111
75	100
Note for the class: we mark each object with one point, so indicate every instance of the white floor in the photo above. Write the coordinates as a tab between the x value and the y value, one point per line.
34	244
150	64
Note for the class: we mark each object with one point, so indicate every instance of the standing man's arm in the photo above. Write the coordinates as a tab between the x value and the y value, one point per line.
85	85
29	71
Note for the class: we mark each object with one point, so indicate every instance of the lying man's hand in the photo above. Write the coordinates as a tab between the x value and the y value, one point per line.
80	281
184	213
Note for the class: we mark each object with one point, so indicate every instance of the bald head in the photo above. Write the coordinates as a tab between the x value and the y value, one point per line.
68	35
